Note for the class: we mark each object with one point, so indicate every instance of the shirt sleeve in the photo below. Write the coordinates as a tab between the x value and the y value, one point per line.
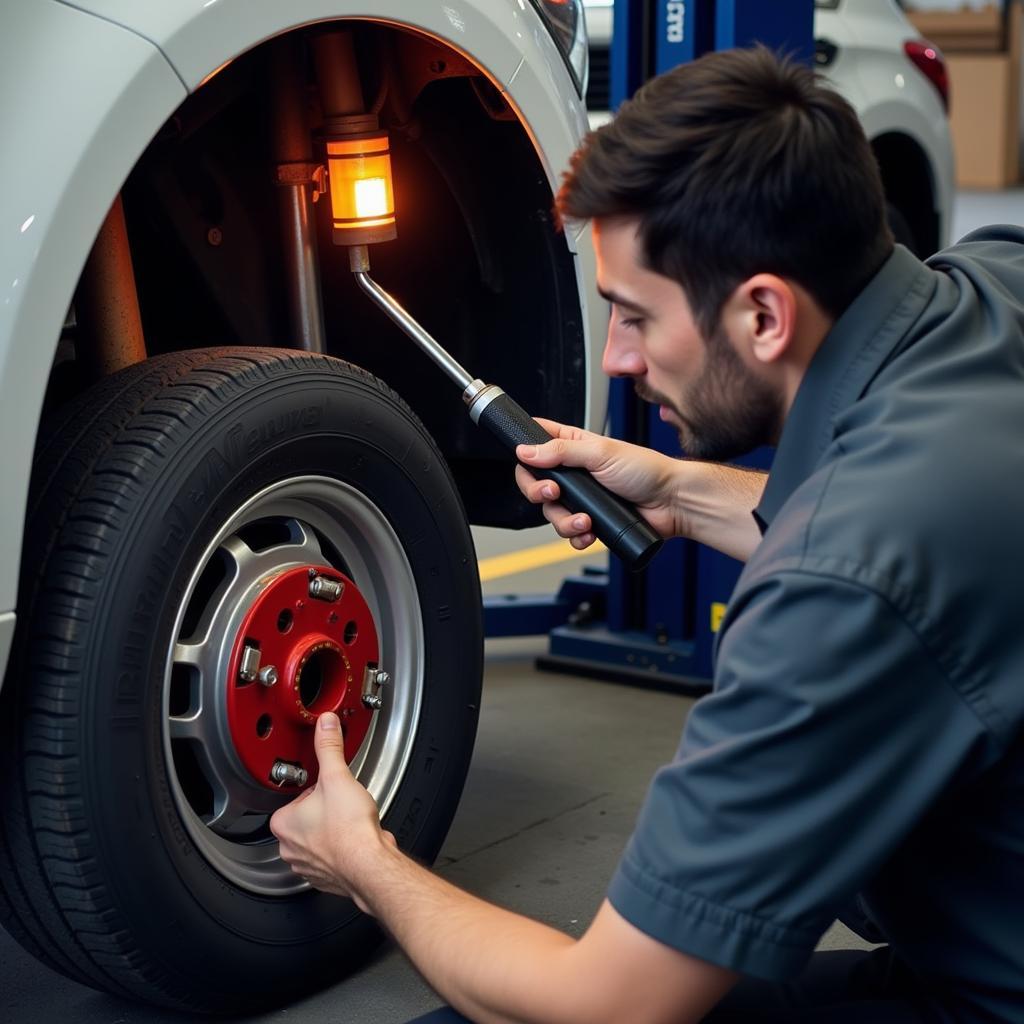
830	732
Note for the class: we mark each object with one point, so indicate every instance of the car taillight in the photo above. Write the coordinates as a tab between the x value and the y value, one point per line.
932	64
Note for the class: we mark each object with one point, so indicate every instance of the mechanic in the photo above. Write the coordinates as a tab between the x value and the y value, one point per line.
862	744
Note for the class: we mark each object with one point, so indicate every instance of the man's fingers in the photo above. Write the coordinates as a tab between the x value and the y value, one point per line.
566	523
569	524
534	490
556	429
330	746
570	446
561	451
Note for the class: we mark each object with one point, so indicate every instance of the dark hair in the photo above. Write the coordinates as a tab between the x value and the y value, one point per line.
739	163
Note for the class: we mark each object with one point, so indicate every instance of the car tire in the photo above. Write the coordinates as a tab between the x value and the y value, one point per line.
170	500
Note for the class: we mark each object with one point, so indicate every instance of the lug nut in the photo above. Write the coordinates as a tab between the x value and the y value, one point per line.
268	675
373	701
324	589
382	678
285	774
249	666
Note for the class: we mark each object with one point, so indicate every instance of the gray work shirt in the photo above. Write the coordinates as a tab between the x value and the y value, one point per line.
863	734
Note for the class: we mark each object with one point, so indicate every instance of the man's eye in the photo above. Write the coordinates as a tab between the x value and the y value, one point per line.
631	322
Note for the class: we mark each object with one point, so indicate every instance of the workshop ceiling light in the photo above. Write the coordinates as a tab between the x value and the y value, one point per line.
362	194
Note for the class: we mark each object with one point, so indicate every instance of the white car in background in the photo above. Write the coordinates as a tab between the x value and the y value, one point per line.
896	82
227	532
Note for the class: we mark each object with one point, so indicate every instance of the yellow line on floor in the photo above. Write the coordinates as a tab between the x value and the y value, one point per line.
532	558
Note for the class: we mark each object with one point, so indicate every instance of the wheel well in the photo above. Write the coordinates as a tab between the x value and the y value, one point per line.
910	187
478	259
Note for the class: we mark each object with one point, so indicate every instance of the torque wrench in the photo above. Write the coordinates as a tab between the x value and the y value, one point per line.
615	522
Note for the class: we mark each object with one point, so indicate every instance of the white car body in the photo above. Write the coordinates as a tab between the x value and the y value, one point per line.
86	86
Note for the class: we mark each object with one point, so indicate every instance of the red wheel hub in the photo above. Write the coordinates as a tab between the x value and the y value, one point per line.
319	649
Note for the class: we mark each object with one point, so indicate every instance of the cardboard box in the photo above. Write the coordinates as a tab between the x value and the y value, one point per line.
959	31
982	51
984	116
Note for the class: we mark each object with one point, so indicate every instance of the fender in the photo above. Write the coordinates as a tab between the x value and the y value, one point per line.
200	36
77	122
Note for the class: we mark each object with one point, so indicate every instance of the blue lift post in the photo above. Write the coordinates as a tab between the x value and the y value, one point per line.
656	627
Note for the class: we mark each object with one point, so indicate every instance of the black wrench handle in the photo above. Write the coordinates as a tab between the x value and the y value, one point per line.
615	522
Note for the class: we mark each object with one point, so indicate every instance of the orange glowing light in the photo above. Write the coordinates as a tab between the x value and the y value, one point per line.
372	197
362	195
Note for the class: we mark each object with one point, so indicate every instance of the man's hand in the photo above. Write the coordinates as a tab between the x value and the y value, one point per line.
332	831
495	966
704	501
644	477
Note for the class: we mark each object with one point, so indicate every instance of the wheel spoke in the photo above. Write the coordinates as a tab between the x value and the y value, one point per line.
239	553
238	807
199	725
238	812
186	727
306	544
302	546
226	807
191	654
229	819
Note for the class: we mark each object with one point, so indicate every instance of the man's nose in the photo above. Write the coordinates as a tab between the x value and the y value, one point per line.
621	359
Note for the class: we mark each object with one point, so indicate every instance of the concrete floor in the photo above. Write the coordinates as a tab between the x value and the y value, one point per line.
973	209
560	768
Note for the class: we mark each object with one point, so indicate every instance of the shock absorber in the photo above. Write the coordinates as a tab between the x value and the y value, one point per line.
300	181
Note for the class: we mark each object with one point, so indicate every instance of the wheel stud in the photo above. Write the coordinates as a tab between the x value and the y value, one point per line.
268	675
373	679
324	589
285	774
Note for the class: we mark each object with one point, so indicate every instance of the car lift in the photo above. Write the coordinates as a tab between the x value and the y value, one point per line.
656	627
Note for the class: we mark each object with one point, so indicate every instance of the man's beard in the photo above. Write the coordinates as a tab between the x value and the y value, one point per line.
729	412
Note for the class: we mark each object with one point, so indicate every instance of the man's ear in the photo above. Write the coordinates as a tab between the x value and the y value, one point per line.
763	311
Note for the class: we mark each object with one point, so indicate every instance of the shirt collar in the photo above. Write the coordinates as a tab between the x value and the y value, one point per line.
853	351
